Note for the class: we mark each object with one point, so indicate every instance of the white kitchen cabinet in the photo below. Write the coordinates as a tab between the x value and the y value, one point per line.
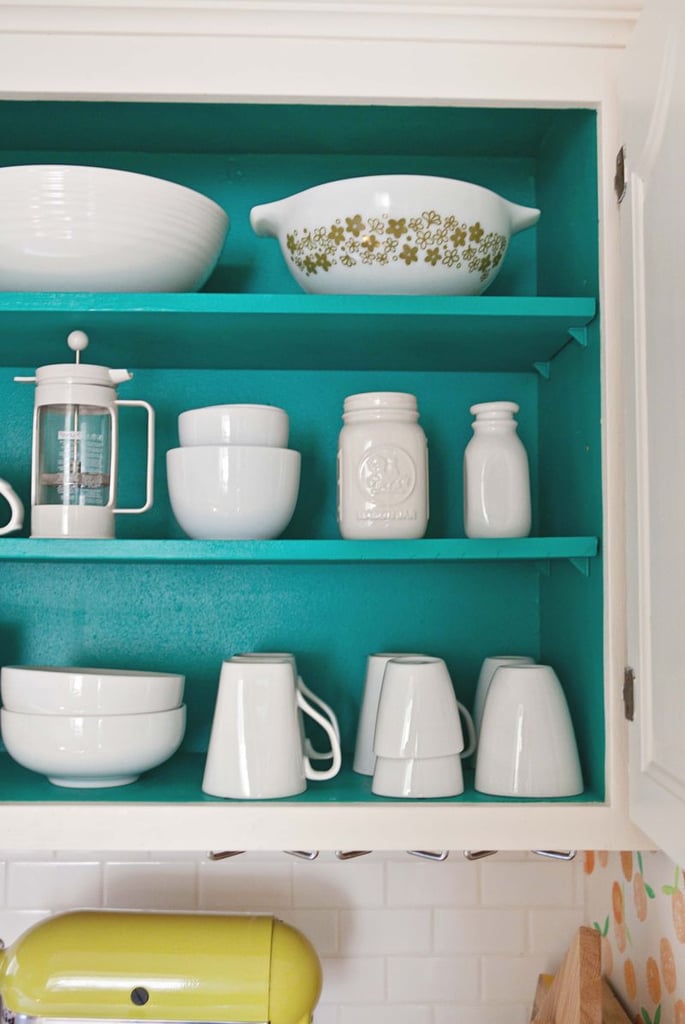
522	99
654	218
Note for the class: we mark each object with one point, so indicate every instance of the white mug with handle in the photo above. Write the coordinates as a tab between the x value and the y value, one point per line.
324	708
16	520
255	746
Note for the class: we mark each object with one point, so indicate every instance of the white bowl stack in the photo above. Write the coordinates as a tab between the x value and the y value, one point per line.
90	727
233	478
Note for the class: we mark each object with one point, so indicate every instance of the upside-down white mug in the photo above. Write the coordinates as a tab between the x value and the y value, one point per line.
255	745
313	698
16	520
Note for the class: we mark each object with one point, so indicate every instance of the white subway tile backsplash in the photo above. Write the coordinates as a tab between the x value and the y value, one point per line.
320	927
388	1013
385	932
53	885
433	979
480	931
14	923
349	883
535	883
417	883
353	979
402	940
510	979
245	883
152	885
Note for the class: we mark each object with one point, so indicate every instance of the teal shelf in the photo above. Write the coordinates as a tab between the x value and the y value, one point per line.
179	781
249	331
297	551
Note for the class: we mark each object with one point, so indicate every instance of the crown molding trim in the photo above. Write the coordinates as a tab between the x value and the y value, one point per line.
539	22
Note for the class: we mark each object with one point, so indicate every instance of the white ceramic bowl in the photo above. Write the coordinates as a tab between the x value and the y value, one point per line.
92	751
75	228
37	689
393	234
234	424
233	492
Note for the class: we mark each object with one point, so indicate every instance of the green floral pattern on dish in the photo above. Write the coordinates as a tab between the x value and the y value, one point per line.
429	238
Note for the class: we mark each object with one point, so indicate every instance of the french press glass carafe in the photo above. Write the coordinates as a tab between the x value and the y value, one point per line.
75	448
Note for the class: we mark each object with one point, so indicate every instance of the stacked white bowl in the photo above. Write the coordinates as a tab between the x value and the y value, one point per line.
234	477
90	727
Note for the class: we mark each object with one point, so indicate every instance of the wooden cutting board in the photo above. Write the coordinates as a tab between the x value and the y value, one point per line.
578	994
575	995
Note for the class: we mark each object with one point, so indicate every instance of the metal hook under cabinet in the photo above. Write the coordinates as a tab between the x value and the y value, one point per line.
351	854
430	854
556	854
479	854
303	854
224	854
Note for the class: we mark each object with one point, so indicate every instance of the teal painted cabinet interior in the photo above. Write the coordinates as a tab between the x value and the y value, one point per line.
153	599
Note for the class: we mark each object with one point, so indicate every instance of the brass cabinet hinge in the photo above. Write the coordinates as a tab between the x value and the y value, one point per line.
620	183
629	693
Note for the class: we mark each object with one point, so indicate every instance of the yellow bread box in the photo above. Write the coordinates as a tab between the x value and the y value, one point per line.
133	965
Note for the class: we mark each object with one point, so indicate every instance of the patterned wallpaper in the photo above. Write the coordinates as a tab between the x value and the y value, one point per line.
637	902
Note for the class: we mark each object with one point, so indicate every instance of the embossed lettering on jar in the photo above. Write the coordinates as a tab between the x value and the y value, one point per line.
382	467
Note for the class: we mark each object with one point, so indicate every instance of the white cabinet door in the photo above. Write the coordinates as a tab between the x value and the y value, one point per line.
653	226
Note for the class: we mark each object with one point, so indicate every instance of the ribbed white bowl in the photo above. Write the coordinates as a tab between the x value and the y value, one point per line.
76	228
92	751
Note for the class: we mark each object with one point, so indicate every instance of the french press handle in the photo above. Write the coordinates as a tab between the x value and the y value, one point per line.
149	472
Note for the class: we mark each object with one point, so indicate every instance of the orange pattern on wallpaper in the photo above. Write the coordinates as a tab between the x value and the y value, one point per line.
637	903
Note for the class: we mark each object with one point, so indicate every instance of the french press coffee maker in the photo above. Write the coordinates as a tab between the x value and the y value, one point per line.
75	451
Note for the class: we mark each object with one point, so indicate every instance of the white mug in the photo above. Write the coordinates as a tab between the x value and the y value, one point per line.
16	508
310	751
487	671
255	745
364	757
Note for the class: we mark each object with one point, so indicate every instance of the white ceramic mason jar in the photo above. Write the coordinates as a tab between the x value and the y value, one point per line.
382	468
496	474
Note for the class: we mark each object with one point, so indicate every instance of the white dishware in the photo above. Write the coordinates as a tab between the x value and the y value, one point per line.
233	492
364	757
382	469
324	708
527	745
92	751
418	712
255	746
487	670
496	474
49	690
411	234
97	229
234	424
418	777
74	472
16	519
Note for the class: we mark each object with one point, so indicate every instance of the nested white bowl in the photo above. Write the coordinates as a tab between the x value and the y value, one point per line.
233	492
78	228
248	424
412	234
37	689
92	751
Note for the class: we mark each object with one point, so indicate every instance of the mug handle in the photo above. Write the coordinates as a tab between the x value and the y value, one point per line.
16	508
470	730
327	726
328	711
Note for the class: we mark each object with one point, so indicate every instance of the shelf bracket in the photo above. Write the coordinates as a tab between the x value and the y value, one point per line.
544	368
579	334
581	564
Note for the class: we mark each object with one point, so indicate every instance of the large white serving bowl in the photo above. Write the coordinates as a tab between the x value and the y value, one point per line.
393	234
92	751
251	424
76	228
233	492
37	689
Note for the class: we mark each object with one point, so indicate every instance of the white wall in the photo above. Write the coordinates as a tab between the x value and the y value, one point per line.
402	940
